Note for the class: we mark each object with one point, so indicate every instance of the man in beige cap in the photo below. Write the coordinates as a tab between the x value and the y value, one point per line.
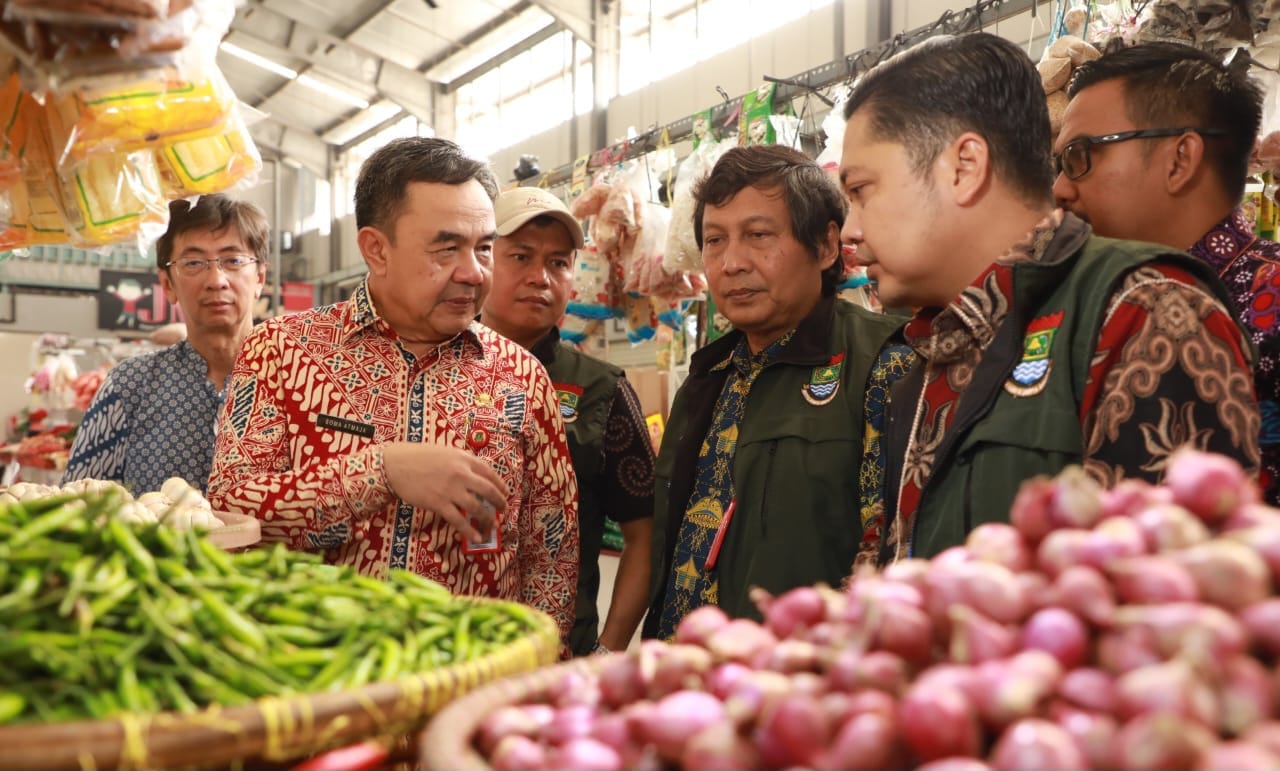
533	263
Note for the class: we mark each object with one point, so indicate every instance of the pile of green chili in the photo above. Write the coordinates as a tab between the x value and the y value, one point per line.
99	617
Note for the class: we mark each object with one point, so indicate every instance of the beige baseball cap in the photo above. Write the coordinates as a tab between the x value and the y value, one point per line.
514	208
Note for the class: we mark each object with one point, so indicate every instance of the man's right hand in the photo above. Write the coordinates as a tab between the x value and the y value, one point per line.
447	481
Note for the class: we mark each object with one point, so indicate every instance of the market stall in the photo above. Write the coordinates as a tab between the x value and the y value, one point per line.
1134	627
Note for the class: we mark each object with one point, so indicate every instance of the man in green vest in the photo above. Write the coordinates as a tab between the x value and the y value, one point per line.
760	470
533	262
1040	344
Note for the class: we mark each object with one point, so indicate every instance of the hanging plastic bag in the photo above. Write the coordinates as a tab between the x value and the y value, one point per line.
833	129
591	284
210	164
143	115
641	321
682	252
112	198
642	271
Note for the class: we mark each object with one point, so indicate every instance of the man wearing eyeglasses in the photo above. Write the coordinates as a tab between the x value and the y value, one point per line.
155	414
1040	345
1155	147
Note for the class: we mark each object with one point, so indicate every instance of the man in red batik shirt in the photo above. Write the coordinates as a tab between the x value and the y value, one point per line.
391	430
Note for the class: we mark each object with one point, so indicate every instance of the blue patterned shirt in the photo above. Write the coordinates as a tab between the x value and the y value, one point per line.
153	418
691	585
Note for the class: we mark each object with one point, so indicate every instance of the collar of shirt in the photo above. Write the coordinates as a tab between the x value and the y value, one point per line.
965	327
194	363
545	349
361	316
1223	244
749	365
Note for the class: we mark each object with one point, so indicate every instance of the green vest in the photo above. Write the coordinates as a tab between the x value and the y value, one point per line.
795	469
999	439
585	387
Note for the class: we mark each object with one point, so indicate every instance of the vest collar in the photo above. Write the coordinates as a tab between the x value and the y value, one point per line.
545	349
810	345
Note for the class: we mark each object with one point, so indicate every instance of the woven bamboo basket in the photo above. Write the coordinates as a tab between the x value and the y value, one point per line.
271	730
448	741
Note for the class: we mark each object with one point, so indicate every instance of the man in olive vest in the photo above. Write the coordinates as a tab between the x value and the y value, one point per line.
533	263
760	471
1040	344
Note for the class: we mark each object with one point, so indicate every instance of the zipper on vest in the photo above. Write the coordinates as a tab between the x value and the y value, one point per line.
764	494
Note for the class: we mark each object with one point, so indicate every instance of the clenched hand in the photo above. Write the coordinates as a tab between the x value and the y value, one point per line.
447	481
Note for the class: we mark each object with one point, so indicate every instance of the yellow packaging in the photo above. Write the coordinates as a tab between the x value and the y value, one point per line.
13	101
37	214
113	197
209	164
145	114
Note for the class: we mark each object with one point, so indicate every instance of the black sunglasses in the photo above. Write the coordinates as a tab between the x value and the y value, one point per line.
1075	160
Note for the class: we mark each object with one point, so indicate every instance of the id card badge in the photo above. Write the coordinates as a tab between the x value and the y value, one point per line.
494	542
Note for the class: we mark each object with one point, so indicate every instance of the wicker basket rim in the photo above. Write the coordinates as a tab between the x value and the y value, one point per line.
446	742
272	728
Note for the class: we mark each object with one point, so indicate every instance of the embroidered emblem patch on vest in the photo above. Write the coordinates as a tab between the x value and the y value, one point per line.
1031	375
824	382
568	396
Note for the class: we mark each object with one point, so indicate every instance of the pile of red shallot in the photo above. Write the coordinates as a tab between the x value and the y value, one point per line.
1130	628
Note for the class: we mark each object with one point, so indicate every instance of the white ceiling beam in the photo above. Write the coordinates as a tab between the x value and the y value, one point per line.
300	145
327	53
575	15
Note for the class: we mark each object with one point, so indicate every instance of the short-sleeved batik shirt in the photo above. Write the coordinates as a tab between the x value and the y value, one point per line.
153	418
316	395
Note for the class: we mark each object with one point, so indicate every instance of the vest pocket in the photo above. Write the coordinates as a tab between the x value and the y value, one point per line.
1012	445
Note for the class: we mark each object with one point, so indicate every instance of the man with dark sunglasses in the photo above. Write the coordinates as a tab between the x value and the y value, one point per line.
1155	147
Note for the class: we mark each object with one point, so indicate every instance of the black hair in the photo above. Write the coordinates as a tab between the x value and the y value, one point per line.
926	96
385	176
813	199
216	213
1169	85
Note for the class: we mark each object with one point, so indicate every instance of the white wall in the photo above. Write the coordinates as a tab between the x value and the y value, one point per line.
790	50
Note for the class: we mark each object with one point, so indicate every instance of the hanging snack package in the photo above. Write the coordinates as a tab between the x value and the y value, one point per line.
682	251
641	321
754	127
575	329
64	45
13	100
95	12
590	298
111	198
36	216
155	110
703	128
209	164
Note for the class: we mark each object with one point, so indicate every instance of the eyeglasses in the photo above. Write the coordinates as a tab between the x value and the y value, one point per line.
1075	159
231	263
